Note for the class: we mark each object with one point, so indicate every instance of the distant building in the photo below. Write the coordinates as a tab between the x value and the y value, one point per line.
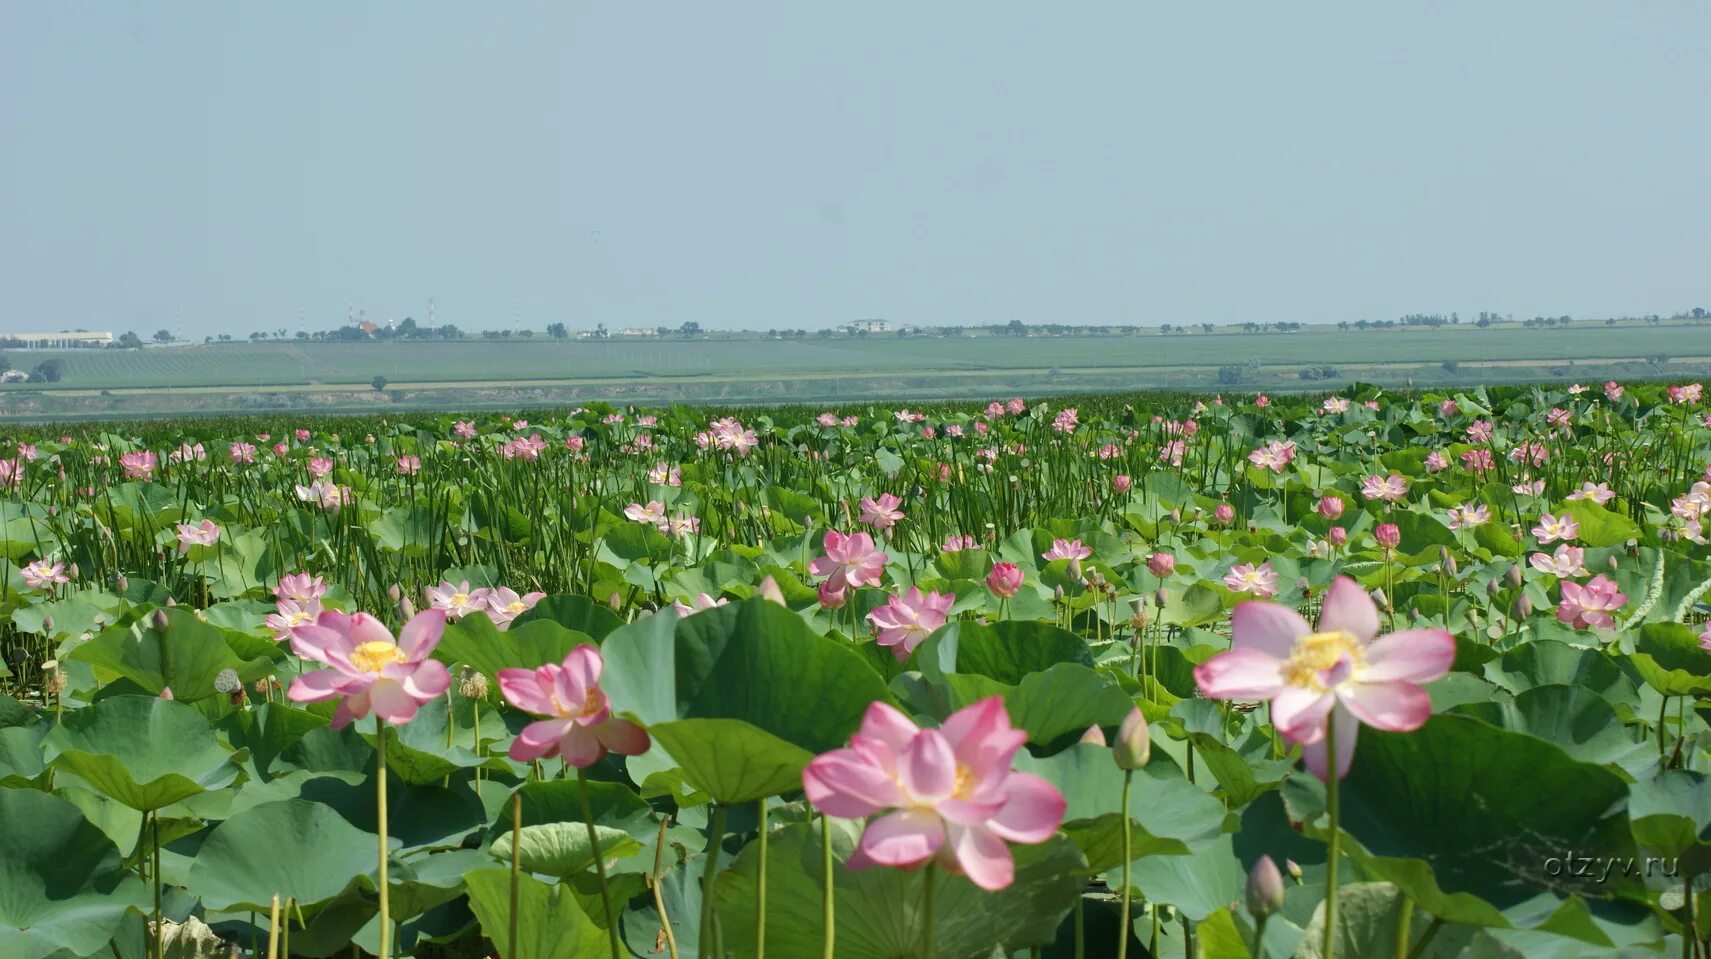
638	331
867	326
14	376
61	340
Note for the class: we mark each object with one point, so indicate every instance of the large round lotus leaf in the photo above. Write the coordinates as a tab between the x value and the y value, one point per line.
731	760
1575	718
62	884
1007	651
143	751
879	911
576	613
562	849
1542	663
755	661
185	657
550	922
1669	658
474	641
21	763
293	849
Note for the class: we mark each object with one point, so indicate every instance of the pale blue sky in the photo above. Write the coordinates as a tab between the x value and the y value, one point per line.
803	164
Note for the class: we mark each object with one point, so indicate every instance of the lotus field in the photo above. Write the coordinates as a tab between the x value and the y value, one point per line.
1024	679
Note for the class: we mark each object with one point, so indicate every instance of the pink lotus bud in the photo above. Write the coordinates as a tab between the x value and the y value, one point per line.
1388	535
831	598
1330	507
406	608
1161	564
1094	735
769	591
1294	869
1338	536
1121	483
47	624
1175	516
160	619
1265	888
1224	513
166	692
1514	576
1134	742
1004	580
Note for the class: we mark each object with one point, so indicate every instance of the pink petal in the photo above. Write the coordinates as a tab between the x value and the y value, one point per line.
903	838
427	680
982	857
623	737
421	634
971	812
1248	674
1415	655
580	747
364	628
1348	608
840	783
928	767
885	724
584	663
313	641
392	702
317	686
571	688
350	708
1348	731
1297	711
523	689
982	737
1033	809
1267	628
539	739
1399	707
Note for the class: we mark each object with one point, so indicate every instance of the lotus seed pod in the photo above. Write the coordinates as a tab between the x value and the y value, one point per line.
1265	888
471	683
1134	742
227	682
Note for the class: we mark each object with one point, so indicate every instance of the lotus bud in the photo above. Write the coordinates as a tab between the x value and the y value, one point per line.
1338	535
1294	869
1523	606
1176	516
1057	593
171	602
1094	735
615	601
1473	616
1224	513
71	571
406	608
1265	888
1615	564
1161	597
770	592
160	619
1388	535
1449	563
1331	507
1162	564
1075	569
120	583
166	692
1513	577
47	625
831	598
1493	588
1121	483
1134	742
394	592
1382	601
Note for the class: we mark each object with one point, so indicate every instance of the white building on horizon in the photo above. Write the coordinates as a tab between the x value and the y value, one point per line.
61	340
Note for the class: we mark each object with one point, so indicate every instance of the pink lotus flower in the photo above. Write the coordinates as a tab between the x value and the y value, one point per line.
1559	418
1274	456
1480	431
504	605
1015	407
1067	420
700	603
320	466
664	474
650	514
1565	562
1262	401
956	544
1223	514
1172	452
904	622
1468	517
1004	580
1338	535
11	473
1331	506
1477	461
574	444
300	587
457	601
409	465
580	728
1390	489
243	453
831	598
850	560
954	798
1599	493
1121	483
1612	391
1530	487
42	574
1259	580
369	670
140	465
303	436
1437	462
1335	404
1589	605
330	497
1448	408
1070	549
881	513
205	533
1554	528
1387	535
463	430
290	614
1161	564
280	449
680	526
1705	637
1344	666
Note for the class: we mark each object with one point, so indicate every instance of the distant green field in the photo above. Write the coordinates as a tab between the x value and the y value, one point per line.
260	365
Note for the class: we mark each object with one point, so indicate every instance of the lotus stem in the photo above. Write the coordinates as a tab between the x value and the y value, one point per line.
929	876
1426	940
715	837
828	897
516	863
599	861
273	931
1403	922
380	805
760	890
154	873
1128	854
1332	803
659	899
1259	937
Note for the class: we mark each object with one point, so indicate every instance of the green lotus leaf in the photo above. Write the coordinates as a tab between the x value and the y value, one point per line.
63	885
143	751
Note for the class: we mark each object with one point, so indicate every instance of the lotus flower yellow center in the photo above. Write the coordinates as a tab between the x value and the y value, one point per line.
1317	652
299	618
375	656
516	608
459	600
964	782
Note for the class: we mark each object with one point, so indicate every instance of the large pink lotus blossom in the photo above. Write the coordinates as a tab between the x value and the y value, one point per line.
1589	605
665	474
242	452
953	797
11	473
1004	580
1599	493
904	622
408	465
881	513
42	574
290	614
320	466
1071	549
457	601
1529	487
1612	391
1437	462
1259	580
1335	404
1066	420
1275	456
679	526
1343	666
850	560
956	543
650	514
368	670
505	605
1391	489
1477	461
1480	431
140	465
1565	562
1554	528
580	727
1468	517
205	533
300	587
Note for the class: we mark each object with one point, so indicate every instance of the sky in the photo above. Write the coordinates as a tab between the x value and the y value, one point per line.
220	168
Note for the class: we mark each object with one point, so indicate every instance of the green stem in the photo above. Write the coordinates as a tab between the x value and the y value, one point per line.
760	890
1335	846
159	931
827	897
1080	929
1426	940
930	879
380	803
599	861
1128	853
1663	712
1259	936
516	867
715	837
1403	922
